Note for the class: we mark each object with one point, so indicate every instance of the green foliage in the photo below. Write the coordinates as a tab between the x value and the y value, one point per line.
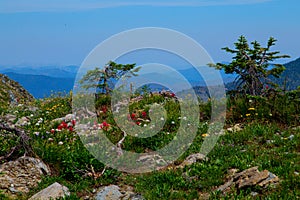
282	108
103	79
251	65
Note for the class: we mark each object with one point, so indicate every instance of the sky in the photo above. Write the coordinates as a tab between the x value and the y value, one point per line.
64	32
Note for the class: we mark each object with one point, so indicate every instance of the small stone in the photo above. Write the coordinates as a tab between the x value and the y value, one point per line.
253	194
235	128
291	137
192	159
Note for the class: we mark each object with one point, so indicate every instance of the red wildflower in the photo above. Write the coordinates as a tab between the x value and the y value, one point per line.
64	125
73	122
138	123
60	127
104	109
172	95
132	116
71	129
144	114
52	131
105	124
267	87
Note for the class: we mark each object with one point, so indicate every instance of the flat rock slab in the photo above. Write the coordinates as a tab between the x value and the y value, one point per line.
54	191
248	178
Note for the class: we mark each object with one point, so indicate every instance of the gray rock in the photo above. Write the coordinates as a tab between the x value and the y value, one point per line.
254	194
54	191
191	159
248	178
137	197
291	137
111	192
114	192
23	121
21	175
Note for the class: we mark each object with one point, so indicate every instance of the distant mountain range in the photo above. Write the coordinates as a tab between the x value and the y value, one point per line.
41	86
51	71
290	78
43	81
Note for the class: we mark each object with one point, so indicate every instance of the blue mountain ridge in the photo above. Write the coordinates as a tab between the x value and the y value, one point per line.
43	81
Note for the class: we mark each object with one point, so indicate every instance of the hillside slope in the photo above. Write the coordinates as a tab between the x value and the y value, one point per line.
291	76
41	86
12	92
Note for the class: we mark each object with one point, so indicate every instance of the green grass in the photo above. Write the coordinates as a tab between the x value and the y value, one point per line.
264	142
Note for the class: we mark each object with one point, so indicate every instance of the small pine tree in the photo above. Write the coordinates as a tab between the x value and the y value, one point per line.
252	65
103	79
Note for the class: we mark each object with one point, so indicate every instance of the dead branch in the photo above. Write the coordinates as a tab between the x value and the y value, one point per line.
24	138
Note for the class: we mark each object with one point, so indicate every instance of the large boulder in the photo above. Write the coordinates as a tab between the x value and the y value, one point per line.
19	176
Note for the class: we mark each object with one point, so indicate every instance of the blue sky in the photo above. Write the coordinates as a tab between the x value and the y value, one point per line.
63	32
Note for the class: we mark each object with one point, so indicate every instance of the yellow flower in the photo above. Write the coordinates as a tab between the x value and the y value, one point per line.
205	135
247	115
251	109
